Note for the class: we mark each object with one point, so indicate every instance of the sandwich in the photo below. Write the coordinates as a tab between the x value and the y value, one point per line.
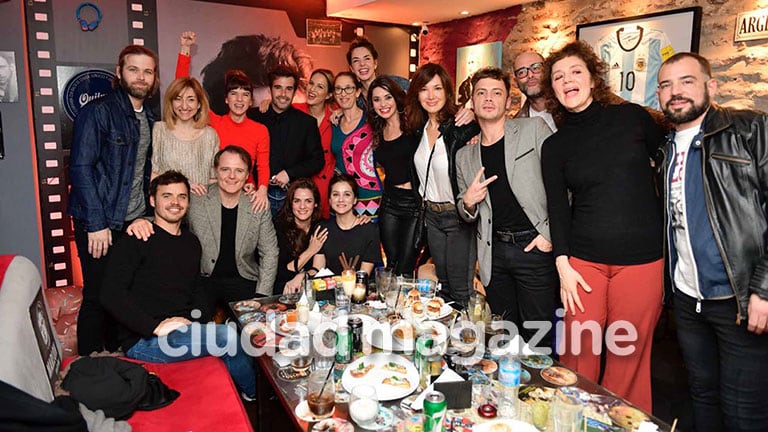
361	370
433	307
417	309
395	367
396	381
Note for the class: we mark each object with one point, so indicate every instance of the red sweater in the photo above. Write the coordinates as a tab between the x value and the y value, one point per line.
323	178
250	135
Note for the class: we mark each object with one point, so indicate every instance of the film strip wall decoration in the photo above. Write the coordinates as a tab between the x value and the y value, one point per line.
52	158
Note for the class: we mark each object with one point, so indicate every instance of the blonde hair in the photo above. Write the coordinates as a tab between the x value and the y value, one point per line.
174	89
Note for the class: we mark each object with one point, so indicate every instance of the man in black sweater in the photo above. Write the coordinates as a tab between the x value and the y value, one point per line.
151	288
294	138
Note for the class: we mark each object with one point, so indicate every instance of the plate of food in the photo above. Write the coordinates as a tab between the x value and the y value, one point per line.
273	307
333	424
626	416
393	376
505	425
534	393
246	306
422	308
537	361
559	376
401	336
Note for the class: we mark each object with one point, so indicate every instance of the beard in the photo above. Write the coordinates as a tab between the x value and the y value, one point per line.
135	91
683	115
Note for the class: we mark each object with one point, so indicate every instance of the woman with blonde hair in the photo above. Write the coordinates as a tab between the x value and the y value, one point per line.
183	141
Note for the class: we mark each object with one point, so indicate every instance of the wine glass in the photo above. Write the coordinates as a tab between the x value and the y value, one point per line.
364	405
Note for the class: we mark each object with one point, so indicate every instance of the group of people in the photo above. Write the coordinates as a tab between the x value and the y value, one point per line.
561	204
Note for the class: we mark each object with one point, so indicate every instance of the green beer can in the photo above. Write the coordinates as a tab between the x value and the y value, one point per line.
435	407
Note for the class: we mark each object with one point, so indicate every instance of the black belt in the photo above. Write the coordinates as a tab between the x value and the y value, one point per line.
441	206
515	237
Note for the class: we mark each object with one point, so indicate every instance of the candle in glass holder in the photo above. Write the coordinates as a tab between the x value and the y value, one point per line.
348	282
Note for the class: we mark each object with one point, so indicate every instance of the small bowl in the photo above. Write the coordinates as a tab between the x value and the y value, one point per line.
301	363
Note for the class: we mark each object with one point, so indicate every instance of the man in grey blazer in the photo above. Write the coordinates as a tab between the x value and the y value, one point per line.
503	193
239	259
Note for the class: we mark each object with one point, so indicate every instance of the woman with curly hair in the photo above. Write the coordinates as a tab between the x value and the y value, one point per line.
605	220
393	150
430	108
299	237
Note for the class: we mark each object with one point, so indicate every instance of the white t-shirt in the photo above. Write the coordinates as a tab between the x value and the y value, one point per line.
685	271
545	115
439	184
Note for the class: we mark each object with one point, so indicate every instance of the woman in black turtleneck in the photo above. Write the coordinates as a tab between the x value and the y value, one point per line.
607	234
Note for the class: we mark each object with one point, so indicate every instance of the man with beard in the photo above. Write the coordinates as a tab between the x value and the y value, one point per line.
151	288
294	139
510	212
109	173
527	69
716	175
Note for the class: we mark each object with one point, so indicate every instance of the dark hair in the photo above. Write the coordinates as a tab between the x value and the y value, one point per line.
597	68
166	178
282	71
328	75
350	75
255	55
343	178
492	73
234	150
414	112
361	42
706	68
137	50
286	220
377	123
174	89
236	79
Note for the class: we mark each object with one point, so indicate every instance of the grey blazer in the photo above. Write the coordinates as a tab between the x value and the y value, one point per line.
523	138
254	233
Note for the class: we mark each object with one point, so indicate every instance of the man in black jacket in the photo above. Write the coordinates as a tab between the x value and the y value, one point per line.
294	138
716	184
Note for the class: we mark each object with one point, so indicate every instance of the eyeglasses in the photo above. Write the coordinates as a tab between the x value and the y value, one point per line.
523	71
347	90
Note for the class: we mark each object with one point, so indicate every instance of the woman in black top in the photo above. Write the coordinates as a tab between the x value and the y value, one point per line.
430	108
393	150
605	219
296	220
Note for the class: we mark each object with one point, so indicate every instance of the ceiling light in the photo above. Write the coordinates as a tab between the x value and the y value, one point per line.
464	13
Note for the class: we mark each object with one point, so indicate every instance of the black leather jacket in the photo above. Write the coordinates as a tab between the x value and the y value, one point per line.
735	169
455	137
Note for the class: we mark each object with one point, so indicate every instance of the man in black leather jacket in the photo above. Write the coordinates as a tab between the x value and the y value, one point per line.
716	183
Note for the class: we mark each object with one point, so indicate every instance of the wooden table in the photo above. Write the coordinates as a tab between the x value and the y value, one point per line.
290	392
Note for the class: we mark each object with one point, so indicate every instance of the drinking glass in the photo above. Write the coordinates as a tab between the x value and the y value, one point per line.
364	405
567	413
476	307
383	282
320	404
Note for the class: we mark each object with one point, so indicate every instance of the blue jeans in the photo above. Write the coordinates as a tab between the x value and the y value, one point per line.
276	196
193	341
454	251
727	373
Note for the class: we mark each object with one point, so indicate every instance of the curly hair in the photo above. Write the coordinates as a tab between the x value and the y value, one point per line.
298	240
415	114
255	55
376	121
597	68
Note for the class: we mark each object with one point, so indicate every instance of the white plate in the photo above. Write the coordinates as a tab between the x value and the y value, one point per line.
445	310
302	411
377	374
504	425
381	338
315	321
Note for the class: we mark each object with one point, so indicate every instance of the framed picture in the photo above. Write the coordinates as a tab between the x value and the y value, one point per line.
323	32
635	47
470	59
9	85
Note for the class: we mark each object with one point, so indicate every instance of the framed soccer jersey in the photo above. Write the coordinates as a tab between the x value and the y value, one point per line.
635	47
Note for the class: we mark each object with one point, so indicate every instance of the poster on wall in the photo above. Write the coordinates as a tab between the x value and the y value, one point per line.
79	86
323	32
9	84
635	47
49	351
470	59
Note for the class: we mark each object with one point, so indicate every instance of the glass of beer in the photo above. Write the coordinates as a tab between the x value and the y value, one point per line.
321	404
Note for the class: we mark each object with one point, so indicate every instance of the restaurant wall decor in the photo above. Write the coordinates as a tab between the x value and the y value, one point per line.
635	47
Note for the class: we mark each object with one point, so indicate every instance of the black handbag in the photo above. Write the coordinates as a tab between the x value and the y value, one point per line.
420	233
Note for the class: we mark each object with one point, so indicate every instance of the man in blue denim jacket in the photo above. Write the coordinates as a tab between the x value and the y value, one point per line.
109	172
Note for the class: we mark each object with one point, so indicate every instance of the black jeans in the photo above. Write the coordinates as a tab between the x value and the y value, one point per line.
96	329
727	366
221	291
523	286
454	251
397	225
